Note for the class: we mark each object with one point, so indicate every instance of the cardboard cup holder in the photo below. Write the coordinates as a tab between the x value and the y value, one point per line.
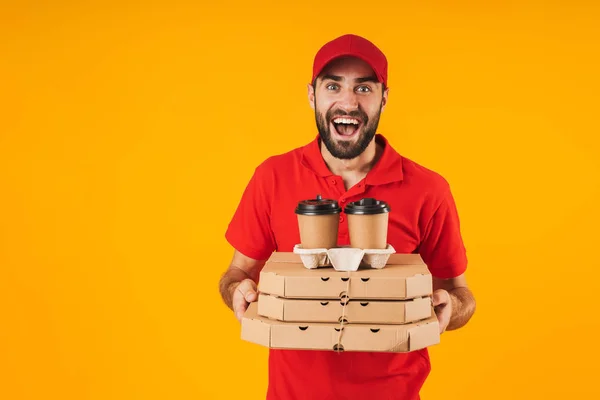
312	258
344	258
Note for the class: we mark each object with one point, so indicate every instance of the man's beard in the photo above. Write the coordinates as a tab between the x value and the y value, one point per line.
347	150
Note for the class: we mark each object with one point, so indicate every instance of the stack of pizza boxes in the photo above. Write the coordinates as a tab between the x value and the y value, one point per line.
364	297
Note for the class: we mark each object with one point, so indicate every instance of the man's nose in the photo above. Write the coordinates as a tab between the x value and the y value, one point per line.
349	100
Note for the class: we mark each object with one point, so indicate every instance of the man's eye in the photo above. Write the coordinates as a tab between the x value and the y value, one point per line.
363	89
332	86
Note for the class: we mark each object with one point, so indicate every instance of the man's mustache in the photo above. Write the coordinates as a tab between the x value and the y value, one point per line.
353	114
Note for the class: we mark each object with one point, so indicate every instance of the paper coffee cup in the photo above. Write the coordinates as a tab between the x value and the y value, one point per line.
318	221
368	223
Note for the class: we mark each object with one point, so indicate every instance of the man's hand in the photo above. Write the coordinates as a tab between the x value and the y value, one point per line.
238	283
244	293
442	304
453	302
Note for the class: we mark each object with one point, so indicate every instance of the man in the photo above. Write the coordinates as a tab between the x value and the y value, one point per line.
349	161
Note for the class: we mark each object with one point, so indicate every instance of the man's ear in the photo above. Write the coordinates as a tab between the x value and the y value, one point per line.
385	98
311	96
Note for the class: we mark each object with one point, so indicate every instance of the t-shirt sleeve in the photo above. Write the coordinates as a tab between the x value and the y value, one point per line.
442	247
249	231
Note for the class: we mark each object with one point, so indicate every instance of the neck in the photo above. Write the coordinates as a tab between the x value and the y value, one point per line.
354	170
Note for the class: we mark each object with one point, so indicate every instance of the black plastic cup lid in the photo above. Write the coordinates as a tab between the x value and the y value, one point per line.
318	206
367	206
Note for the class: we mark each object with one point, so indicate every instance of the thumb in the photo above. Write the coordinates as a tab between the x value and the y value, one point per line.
251	295
440	297
248	289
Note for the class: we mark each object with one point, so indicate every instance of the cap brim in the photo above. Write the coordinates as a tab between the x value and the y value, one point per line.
349	54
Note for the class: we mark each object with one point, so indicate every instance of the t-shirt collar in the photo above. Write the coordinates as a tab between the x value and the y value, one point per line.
388	168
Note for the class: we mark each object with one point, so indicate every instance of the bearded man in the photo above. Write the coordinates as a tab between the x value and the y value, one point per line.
347	161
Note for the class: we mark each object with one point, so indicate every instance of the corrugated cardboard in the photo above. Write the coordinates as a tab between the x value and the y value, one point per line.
326	336
357	311
404	277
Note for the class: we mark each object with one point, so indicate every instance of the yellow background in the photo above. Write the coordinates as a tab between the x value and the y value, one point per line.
129	130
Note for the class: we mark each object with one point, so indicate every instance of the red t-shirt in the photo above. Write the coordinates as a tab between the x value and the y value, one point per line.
423	219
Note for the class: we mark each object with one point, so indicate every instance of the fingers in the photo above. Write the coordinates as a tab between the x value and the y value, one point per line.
244	294
239	305
443	315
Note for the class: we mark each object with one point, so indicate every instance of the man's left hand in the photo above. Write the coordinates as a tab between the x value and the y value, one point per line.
442	304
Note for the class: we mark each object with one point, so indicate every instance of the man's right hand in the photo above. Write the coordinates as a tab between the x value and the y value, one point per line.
244	293
238	283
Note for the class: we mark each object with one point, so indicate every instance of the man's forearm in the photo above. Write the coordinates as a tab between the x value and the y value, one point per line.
232	276
463	307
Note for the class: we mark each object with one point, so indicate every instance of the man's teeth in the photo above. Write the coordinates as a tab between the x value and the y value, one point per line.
345	121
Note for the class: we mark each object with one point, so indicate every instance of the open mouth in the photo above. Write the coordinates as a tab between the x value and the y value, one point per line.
346	127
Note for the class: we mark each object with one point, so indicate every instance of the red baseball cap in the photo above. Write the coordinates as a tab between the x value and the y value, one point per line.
354	46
